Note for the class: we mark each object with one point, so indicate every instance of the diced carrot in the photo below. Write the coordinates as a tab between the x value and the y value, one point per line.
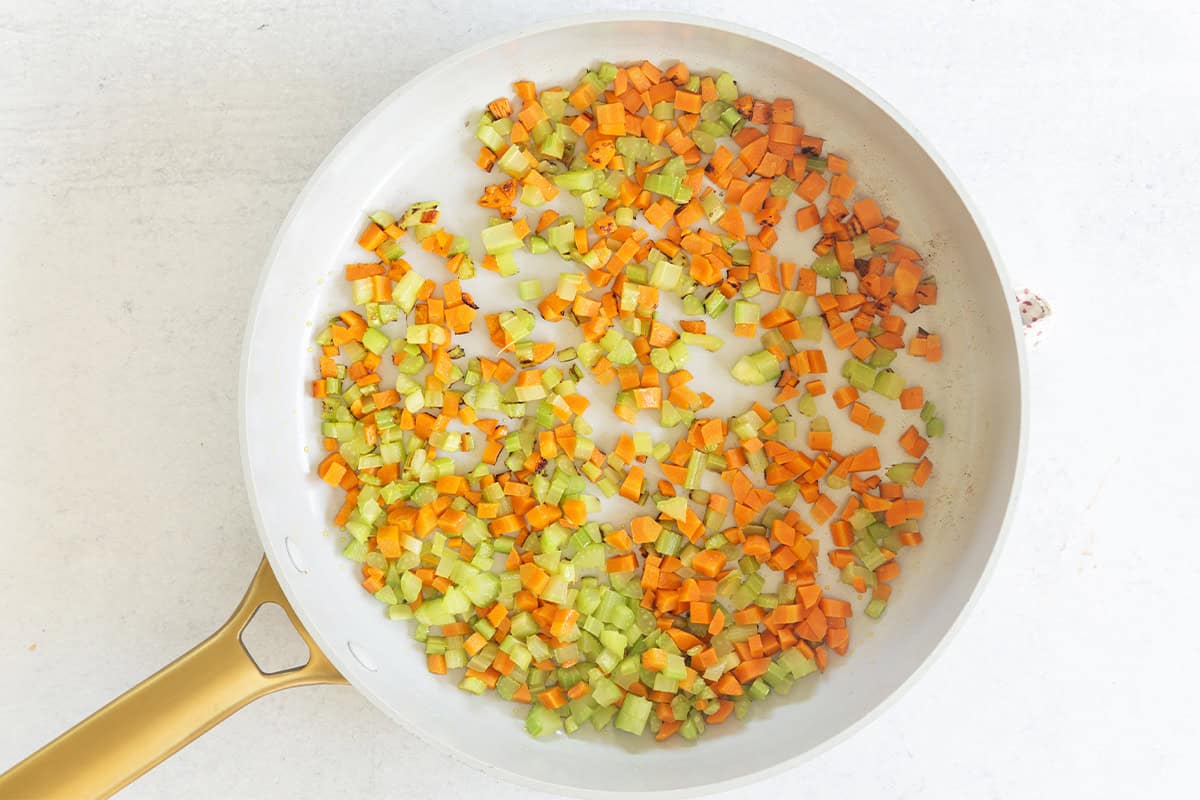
622	563
912	397
654	659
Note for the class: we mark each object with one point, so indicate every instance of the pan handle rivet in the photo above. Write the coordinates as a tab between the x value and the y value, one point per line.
293	551
362	656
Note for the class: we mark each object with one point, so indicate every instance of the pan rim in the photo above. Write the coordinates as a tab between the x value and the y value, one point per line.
279	560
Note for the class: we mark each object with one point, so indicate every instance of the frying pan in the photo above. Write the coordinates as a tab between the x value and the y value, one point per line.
417	145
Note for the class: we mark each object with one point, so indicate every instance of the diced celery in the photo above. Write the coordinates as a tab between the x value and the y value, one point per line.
878	531
514	162
705	340
602	717
668	542
554	103
605	692
404	293
757	368
634	713
782	186
561	236
660	359
399	612
796	663
635	148
361	291
382	218
889	384
662	184
732	120
482	588
875	608
806	404
860	375
861	519
827	266
552	145
675	167
862	246
476	686
901	473
375	340
665	275
487	134
812	328
726	87
529	289
704	140
356	550
577	181
674	507
391	251
746	312
882	357
741	707
541	720
869	553
676	669
716	129
664	110
500	238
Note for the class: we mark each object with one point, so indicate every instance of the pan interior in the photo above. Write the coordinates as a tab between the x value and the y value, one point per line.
418	145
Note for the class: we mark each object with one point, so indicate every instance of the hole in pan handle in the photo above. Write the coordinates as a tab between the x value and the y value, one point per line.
171	708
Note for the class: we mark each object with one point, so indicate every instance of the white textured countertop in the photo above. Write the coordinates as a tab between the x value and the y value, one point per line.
148	151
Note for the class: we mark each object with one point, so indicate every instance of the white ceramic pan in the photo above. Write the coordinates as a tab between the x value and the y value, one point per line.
417	145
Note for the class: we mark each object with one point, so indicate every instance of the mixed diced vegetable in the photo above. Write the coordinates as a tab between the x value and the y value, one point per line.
473	480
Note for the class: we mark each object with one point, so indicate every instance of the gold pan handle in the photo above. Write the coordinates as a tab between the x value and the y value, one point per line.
154	719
